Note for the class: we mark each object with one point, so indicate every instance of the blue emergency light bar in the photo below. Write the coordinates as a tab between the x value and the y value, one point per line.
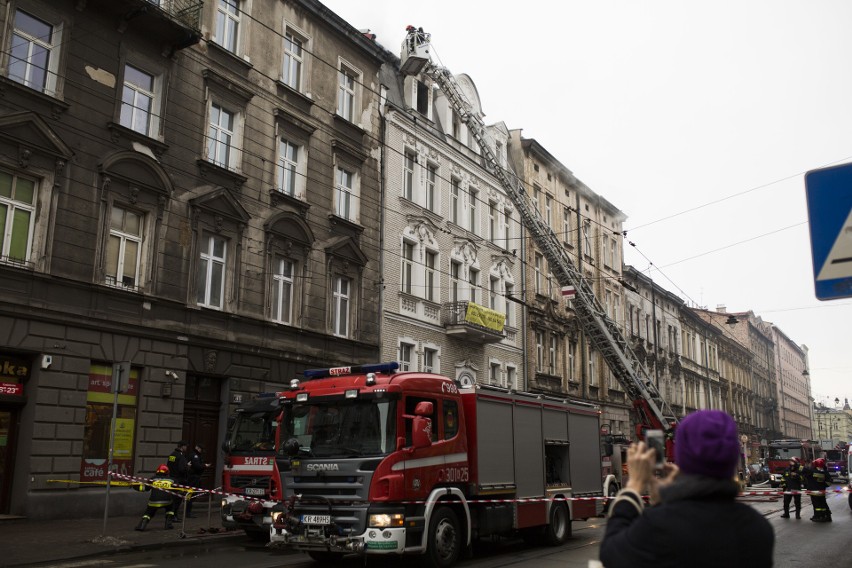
354	370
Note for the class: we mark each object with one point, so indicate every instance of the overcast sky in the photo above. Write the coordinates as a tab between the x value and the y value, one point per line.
698	120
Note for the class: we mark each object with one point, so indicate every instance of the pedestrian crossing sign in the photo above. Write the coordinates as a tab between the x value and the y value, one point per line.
829	199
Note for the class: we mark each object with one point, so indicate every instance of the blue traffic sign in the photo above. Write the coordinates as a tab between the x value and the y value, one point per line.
829	196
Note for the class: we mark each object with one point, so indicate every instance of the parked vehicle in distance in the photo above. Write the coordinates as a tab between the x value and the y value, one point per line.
757	474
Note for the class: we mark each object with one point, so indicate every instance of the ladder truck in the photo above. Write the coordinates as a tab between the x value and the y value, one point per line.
603	333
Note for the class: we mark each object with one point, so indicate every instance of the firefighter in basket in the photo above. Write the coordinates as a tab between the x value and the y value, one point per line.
817	478
162	497
792	481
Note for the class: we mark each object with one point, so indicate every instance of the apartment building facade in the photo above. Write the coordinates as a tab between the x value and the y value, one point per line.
794	386
192	189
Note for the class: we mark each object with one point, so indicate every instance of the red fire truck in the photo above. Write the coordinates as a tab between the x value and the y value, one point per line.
386	462
251	473
782	451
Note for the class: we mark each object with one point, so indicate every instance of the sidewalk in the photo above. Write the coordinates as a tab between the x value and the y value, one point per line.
37	542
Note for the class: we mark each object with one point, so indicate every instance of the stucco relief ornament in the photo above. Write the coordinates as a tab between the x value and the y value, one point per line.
134	194
210	361
24	157
219	222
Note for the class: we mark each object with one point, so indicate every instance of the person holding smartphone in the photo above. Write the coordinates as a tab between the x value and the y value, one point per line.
693	518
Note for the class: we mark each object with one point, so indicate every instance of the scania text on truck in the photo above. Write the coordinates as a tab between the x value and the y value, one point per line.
251	477
385	462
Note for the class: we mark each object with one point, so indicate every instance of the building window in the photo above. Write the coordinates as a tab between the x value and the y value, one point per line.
211	273
124	248
34	53
473	281
17	214
510	320
494	374
431	187
566	225
507	229
430	360
548	210
539	351
138	102
408	176
572	357
346	80
346	195
407	266
539	270
406	356
455	277
228	24
431	275
613	244
220	137
282	291
511	377
473	197
341	306
493	293
293	60
492	221
100	400
551	355
587	238
455	201
536	198
289	155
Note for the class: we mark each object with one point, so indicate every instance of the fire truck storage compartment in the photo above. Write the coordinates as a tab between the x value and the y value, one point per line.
584	430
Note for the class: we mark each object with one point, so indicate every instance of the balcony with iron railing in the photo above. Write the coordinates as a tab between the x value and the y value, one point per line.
473	322
176	24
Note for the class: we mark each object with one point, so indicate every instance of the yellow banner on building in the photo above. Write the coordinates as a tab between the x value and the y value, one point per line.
485	317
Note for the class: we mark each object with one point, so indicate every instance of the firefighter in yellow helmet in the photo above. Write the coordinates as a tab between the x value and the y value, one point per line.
161	498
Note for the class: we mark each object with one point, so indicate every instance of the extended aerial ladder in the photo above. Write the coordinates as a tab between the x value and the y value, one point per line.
603	334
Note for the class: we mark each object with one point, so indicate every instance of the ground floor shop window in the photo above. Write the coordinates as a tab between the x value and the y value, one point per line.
98	432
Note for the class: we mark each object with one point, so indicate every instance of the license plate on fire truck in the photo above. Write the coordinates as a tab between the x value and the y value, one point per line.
255	491
316	519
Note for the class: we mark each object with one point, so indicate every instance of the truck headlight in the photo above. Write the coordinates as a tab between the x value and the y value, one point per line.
384	520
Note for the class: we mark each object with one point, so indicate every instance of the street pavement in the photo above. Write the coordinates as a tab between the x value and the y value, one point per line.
33	543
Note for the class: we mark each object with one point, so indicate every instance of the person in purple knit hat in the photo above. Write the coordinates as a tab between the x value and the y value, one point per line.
693	518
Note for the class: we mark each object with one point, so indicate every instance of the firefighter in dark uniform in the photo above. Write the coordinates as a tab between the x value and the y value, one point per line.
817	478
160	498
792	481
196	470
179	470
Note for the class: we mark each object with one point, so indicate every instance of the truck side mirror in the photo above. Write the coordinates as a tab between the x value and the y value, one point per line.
421	430
424	408
607	449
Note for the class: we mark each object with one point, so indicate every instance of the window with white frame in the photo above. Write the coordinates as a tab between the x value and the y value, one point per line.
551	355
536	198
282	290
455	277
406	356
124	248
408	176
538	267
511	377
566	224
294	60
228	17
140	101
587	238
494	293
473	284
290	167
473	198
211	272
613	253
539	351
17	217
347	79
606	250
431	276
510	310
346	194
548	210
221	136
494	373
431	187
407	266
492	221
340	305
34	52
455	201
507	228
430	360
572	360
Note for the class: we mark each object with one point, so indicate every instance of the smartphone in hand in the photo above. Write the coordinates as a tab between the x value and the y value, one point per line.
656	440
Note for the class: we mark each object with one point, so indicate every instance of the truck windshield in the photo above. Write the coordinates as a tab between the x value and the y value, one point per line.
253	431
833	455
342	427
785	453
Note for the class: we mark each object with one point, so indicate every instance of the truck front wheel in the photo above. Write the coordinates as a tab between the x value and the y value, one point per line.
558	530
444	542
